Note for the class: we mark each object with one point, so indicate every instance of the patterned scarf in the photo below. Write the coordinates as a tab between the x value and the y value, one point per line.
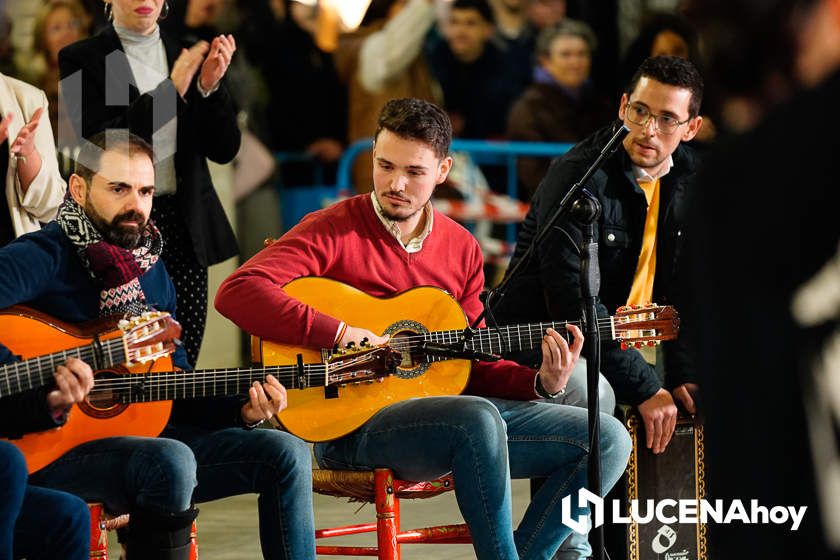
117	269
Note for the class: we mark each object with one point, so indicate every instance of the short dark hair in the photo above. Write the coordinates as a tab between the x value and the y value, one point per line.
672	71
480	6
415	119
122	141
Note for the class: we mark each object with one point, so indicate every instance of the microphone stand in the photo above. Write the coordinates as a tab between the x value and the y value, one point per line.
586	209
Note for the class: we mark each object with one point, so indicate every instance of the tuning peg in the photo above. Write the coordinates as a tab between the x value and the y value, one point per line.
350	345
364	343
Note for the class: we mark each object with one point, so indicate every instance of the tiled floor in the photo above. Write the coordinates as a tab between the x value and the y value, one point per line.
227	529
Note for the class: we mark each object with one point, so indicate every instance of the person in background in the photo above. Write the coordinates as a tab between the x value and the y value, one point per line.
176	97
478	78
561	105
32	185
668	34
58	23
380	61
768	308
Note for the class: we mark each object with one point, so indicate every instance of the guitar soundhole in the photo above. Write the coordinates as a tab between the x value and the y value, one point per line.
105	399
406	337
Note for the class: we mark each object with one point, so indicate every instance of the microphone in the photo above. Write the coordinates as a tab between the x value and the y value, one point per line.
615	141
457	352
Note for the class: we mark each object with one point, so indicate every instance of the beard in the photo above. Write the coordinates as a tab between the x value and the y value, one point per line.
398	217
114	232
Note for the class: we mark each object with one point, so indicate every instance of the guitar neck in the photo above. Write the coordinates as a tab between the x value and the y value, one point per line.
513	338
167	386
17	377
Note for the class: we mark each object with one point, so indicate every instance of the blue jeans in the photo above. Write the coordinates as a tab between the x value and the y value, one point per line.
43	524
125	473
485	443
166	475
274	464
576	546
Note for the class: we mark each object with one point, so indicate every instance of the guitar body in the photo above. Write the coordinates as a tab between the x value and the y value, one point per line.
29	334
315	415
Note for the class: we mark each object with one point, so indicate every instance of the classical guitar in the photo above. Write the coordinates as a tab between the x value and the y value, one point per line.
137	401
415	319
102	343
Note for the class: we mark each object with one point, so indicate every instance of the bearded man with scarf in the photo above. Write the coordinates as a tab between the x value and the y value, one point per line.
101	257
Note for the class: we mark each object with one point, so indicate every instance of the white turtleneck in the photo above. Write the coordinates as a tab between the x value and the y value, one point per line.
147	60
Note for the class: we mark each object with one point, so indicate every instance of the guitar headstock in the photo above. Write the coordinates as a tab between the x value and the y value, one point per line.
149	336
645	325
366	363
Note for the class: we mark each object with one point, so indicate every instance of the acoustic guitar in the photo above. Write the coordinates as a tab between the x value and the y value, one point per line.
102	343
416	319
136	399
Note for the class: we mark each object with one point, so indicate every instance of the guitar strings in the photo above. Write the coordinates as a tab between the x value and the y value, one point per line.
178	380
45	366
403	343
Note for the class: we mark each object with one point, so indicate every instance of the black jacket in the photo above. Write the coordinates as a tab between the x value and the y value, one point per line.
549	286
26	413
207	127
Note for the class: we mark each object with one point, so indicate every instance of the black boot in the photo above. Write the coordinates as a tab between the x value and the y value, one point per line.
155	536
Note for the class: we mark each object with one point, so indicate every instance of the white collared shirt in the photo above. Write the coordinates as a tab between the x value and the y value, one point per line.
415	243
643	176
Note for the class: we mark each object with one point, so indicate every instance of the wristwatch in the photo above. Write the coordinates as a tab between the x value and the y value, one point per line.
538	387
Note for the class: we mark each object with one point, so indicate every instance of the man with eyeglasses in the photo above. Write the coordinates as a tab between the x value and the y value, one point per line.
642	189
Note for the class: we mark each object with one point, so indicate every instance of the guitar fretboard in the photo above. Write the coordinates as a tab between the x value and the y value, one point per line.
513	338
168	386
17	377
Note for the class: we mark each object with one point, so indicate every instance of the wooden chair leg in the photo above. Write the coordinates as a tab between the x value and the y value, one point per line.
387	515
98	535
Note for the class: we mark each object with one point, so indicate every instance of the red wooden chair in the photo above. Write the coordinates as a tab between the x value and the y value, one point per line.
381	488
101	523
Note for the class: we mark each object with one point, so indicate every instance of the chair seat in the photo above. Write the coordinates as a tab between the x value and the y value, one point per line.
360	486
382	488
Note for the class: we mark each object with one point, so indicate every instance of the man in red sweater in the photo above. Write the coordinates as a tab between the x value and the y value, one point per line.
392	240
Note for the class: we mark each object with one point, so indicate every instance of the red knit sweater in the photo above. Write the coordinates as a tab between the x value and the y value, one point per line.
347	242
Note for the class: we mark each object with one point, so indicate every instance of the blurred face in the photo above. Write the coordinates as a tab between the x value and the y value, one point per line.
467	34
647	146
816	53
405	174
139	16
568	61
61	29
202	12
668	43
118	199
543	13
514	6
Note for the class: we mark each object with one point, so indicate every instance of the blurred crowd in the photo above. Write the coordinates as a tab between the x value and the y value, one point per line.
305	83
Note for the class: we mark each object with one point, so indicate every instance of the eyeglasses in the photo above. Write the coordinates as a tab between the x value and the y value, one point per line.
639	114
